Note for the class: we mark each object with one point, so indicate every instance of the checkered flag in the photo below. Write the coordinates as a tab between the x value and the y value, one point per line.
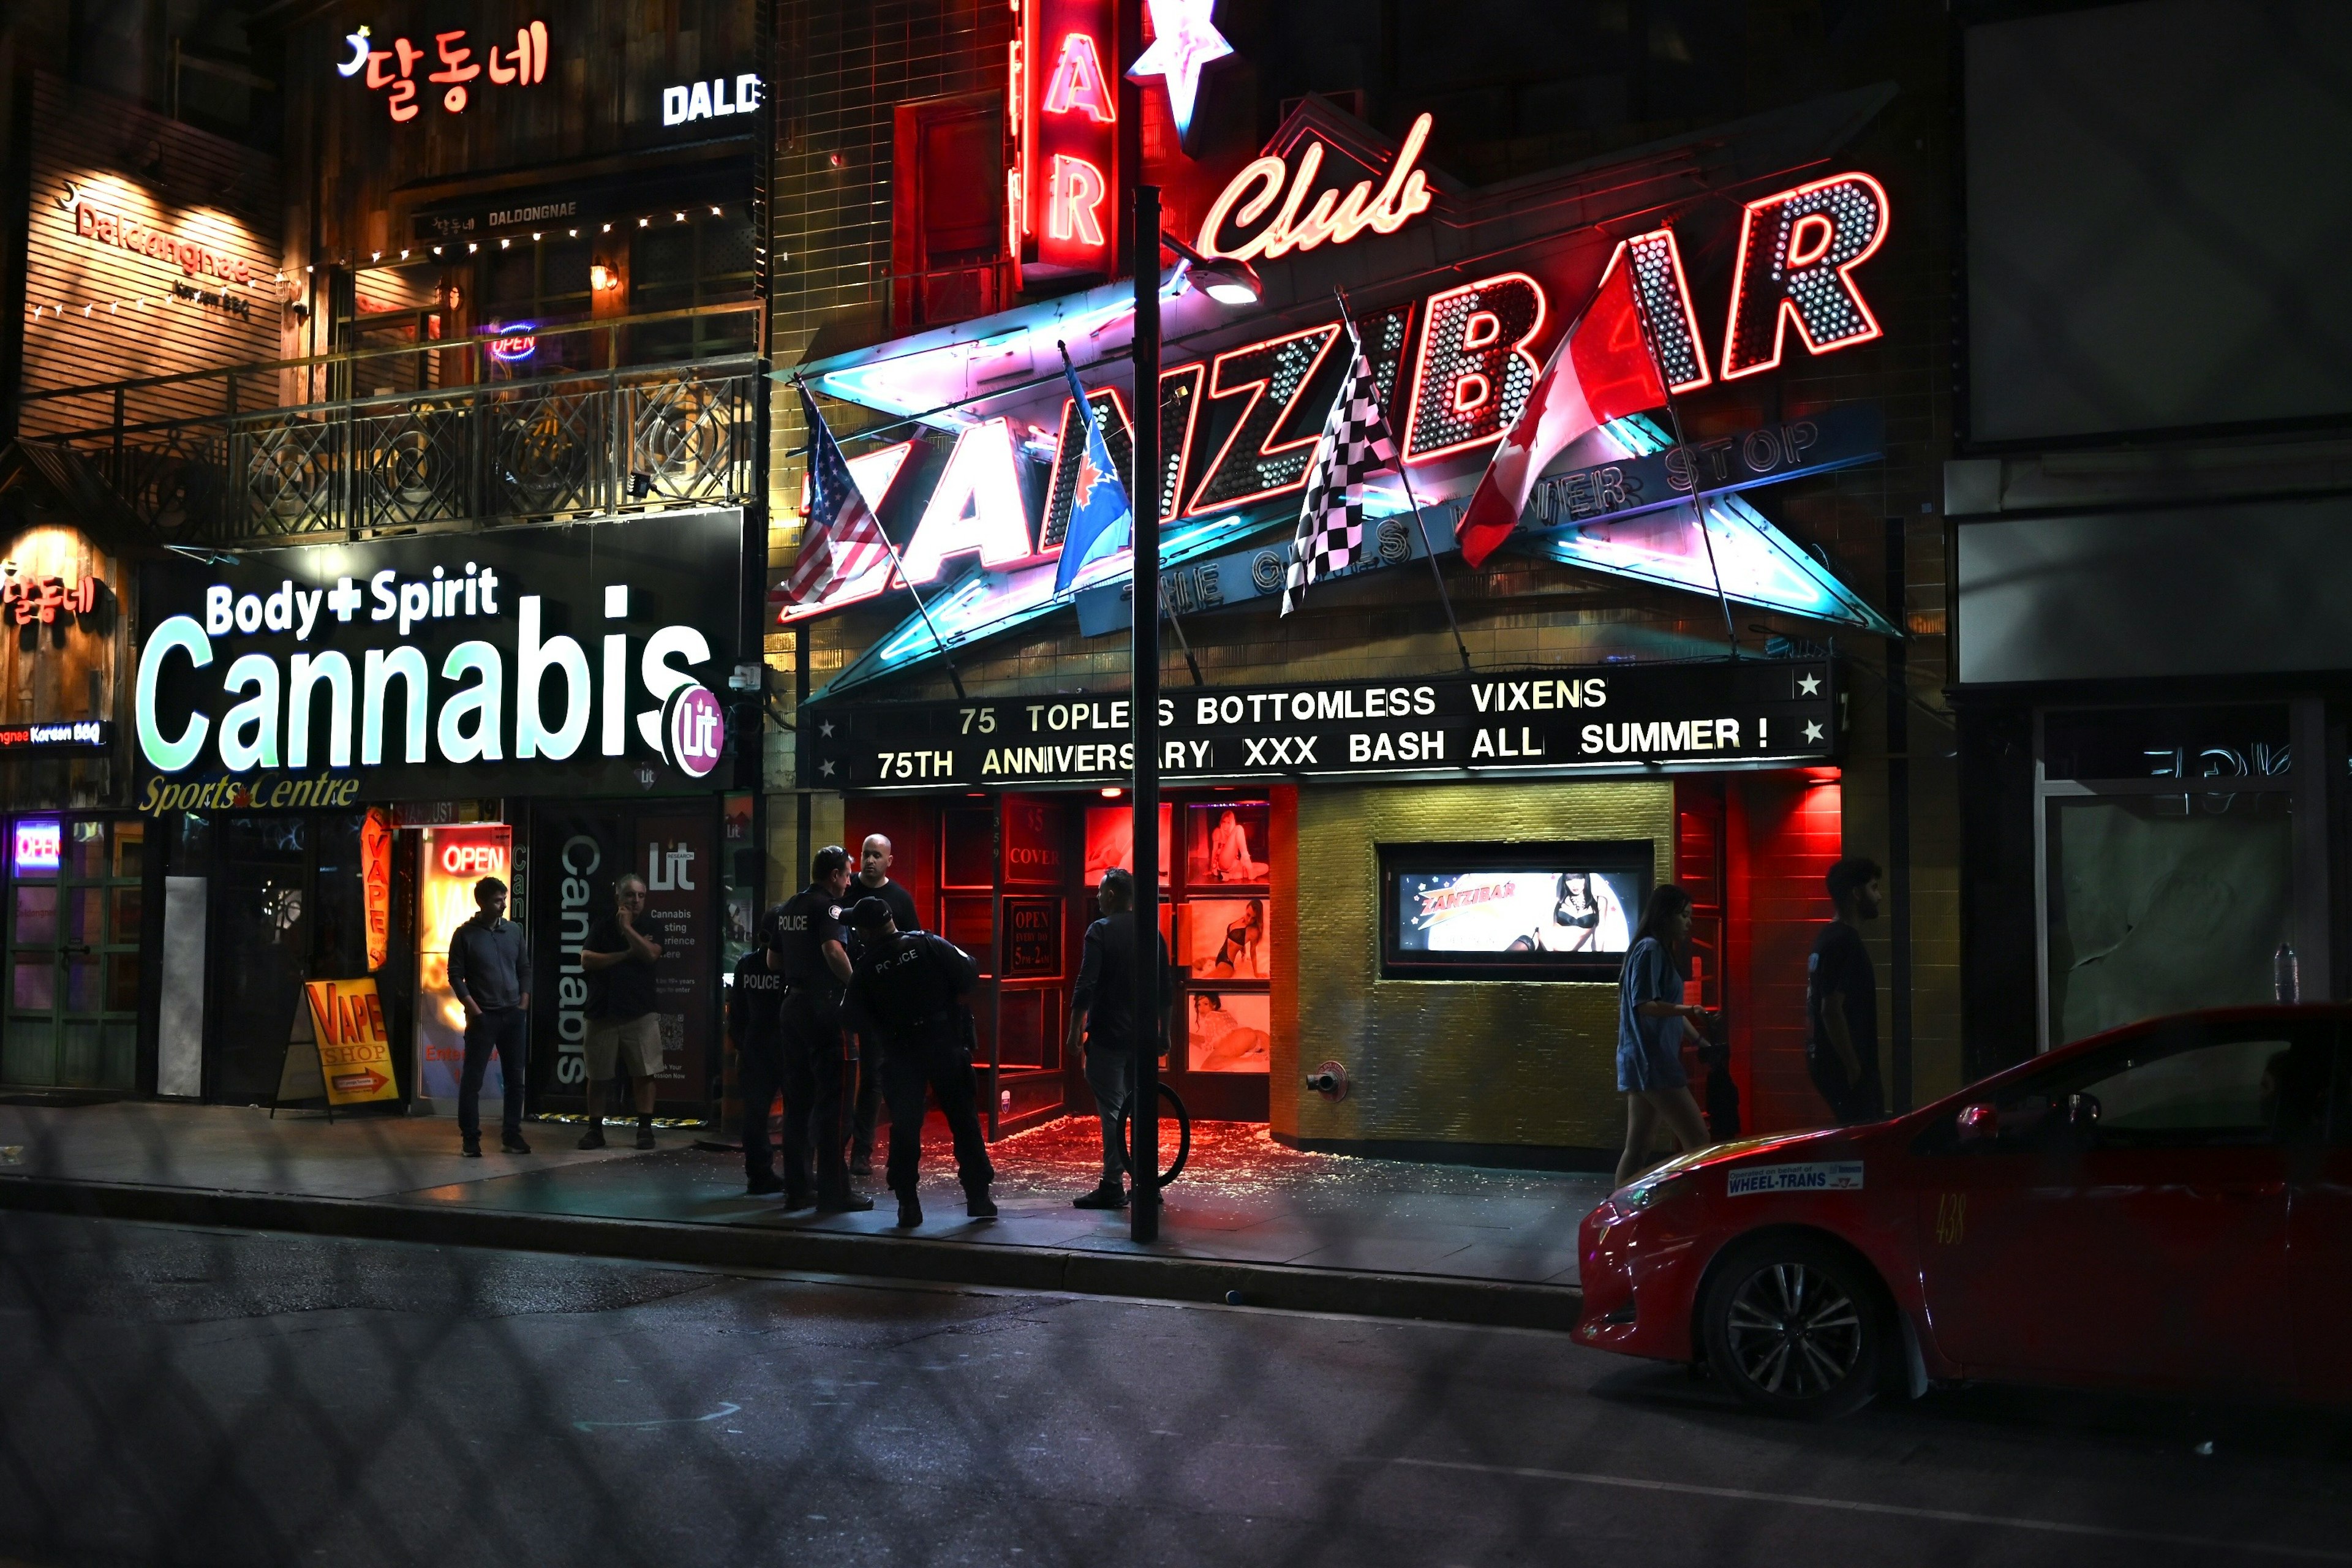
1356	444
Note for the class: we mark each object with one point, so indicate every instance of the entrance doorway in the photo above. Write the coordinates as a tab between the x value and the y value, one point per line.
74	908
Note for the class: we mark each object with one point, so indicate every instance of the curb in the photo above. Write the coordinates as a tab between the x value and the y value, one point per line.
1075	1271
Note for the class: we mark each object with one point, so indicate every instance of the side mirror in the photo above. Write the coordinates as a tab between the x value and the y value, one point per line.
1979	1123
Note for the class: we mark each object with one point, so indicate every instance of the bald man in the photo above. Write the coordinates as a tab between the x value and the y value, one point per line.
873	882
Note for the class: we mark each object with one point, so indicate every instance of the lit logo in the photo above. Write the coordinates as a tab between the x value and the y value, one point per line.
38	845
694	731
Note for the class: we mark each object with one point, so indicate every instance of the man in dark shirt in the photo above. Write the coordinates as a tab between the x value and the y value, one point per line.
908	990
1841	998
490	973
755	1023
623	1026
873	882
1103	1005
807	933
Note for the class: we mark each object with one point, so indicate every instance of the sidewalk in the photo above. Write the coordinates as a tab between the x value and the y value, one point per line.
1249	1217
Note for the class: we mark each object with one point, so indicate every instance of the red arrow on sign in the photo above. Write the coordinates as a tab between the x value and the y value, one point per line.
366	1082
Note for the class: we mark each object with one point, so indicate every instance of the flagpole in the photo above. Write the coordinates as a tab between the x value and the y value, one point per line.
1428	550
1086	418
900	568
1699	509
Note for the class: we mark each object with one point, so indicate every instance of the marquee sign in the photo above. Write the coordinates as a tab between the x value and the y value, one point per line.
524	661
1570	718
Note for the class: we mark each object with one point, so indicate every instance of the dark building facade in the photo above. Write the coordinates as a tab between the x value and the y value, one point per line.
2145	503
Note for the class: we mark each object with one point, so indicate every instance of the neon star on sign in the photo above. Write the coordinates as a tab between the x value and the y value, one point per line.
1184	40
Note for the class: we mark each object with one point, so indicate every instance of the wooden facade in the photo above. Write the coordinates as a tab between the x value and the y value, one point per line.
152	248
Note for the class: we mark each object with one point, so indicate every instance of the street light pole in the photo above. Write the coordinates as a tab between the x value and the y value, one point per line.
1143	498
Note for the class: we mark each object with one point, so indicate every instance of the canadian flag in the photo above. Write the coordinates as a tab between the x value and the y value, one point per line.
1601	371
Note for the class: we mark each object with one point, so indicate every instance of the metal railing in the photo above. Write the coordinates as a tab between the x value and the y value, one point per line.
475	445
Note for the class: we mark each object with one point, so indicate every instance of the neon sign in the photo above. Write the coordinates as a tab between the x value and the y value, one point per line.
1796	249
1454	368
513	342
1077	86
40	843
393	71
1332	218
1065	188
1185	39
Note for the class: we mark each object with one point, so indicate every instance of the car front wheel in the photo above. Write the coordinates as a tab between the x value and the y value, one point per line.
1795	1326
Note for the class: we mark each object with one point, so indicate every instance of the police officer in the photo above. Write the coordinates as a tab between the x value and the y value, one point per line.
755	1023
1102	1010
808	935
909	986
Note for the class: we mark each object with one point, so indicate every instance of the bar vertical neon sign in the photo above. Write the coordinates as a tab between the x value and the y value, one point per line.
1070	108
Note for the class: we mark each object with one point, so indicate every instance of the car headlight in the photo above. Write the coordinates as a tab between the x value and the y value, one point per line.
1651	1191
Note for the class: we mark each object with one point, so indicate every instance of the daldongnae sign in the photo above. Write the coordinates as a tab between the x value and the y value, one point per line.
524	661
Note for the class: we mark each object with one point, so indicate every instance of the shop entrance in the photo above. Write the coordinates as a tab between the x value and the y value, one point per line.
74	910
288	900
1011	879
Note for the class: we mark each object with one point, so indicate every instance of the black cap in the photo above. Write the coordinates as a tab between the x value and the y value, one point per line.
871	914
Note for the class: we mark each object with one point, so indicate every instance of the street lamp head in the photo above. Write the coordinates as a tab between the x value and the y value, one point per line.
1223	278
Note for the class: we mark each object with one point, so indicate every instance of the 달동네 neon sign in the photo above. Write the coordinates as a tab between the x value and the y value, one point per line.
393	71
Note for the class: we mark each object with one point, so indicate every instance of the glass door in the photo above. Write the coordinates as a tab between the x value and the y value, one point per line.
74	913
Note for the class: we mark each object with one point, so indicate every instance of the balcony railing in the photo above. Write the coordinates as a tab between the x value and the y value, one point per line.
477	444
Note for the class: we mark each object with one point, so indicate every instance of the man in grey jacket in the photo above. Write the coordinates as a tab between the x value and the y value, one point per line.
490	973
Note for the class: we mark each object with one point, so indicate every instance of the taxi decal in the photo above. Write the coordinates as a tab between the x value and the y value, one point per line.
1832	1176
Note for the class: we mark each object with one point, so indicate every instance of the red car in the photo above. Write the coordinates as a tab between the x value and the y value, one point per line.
2164	1207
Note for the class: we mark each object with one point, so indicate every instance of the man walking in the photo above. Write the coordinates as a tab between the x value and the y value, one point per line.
1103	1005
490	973
909	988
1841	998
755	1022
807	933
623	1027
874	881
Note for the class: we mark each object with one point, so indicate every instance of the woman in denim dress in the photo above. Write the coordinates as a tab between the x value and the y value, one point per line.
1651	1022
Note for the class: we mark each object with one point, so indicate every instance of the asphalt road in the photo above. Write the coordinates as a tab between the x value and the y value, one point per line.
172	1396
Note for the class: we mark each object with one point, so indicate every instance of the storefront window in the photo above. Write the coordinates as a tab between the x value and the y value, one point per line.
2155	910
2159	899
74	909
705	261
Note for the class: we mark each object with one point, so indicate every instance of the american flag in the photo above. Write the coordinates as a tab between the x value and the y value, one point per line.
1356	444
841	539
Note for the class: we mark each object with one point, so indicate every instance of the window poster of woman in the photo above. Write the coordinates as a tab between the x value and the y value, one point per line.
1229	1031
1226	841
1225	939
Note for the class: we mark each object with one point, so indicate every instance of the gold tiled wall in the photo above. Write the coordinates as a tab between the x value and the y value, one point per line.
1454	1061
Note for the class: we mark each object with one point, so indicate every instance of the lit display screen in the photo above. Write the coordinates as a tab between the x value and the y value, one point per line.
1534	911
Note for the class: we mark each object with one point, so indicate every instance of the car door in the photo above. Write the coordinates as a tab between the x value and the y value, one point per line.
2124	1220
2319	1247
